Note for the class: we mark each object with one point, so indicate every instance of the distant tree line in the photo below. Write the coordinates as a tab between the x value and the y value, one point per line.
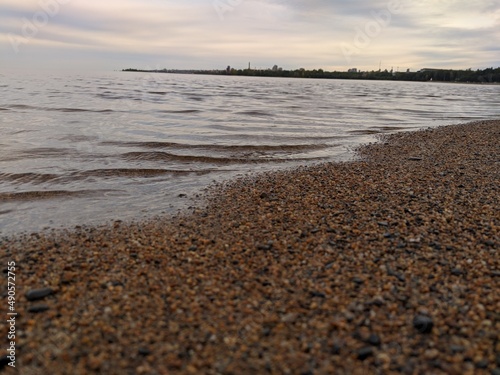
489	75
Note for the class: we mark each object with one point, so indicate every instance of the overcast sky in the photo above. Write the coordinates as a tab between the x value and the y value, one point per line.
207	34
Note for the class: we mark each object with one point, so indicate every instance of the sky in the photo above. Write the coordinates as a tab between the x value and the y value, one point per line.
105	35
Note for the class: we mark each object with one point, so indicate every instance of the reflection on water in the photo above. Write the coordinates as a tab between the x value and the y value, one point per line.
86	149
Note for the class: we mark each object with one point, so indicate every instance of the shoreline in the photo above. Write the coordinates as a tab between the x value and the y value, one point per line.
386	264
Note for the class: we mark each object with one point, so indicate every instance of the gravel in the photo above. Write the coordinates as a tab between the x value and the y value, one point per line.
288	272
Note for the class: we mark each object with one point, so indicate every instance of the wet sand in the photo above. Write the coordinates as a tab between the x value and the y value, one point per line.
385	265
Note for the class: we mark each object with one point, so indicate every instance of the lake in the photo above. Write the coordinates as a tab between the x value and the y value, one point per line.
87	149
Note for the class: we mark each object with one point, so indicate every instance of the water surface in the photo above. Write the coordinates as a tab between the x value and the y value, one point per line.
87	149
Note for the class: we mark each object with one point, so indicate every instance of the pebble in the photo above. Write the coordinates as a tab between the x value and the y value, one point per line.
374	339
364	353
4	361
36	294
144	351
38	308
423	324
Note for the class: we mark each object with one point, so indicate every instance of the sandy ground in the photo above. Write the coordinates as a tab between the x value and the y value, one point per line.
385	265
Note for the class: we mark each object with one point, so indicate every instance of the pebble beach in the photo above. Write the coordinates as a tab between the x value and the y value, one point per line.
387	264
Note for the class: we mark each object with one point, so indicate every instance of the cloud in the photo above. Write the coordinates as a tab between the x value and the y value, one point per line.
215	33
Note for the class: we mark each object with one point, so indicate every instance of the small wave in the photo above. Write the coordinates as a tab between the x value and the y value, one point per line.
112	97
255	113
78	110
22	106
165	156
234	148
158	92
35	178
135	172
29	107
47	194
180	111
392	128
37	153
364	132
4	109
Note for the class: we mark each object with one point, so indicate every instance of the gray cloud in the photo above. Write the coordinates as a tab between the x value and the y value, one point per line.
290	33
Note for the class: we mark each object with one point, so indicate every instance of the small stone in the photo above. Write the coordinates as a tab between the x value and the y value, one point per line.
289	318
4	361
357	280
482	364
431	354
374	339
415	158
317	294
335	349
456	272
174	327
456	349
265	247
144	351
423	324
35	294
493	372
378	301
38	308
364	353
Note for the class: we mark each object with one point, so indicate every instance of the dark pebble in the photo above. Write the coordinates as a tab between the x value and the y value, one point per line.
482	364
365	352
423	324
38	308
317	294
457	349
35	294
4	361
266	247
374	339
493	372
456	272
335	349
144	351
357	280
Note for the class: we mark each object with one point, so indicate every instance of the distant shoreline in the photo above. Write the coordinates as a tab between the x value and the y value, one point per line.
486	76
